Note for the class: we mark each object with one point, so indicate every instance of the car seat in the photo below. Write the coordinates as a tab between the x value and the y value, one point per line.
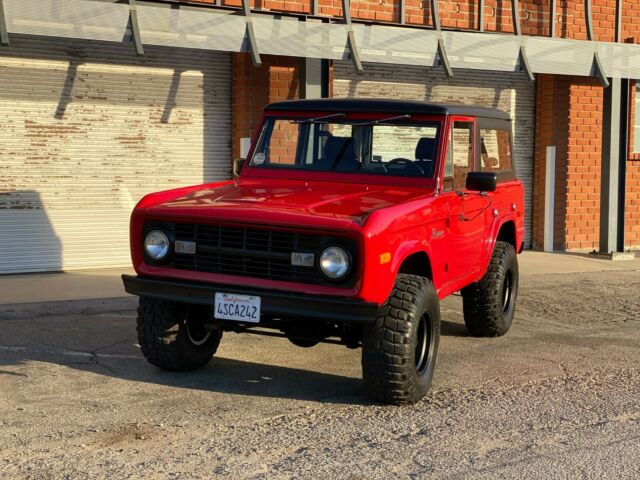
338	153
426	149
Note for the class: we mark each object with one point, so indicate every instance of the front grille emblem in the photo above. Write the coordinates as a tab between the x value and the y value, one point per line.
182	246
302	259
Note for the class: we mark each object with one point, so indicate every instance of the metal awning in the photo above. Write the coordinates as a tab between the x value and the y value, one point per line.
177	25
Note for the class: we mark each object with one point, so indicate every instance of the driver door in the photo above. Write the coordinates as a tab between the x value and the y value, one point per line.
466	220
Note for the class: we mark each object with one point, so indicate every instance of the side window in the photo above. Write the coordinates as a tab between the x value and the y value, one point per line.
284	141
459	159
277	144
495	150
400	141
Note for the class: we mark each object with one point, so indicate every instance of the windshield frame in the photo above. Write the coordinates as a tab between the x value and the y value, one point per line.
361	178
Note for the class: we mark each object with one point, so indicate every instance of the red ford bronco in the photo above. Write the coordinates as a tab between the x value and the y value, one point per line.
349	221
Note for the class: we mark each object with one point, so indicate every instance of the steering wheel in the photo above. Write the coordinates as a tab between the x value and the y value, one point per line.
405	161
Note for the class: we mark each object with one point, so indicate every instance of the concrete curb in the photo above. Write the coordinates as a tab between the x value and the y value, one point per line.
22	311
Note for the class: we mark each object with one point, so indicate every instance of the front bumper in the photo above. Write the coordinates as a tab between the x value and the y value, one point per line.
273	303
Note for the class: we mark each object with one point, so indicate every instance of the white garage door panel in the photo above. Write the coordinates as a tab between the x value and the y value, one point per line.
87	129
63	237
510	92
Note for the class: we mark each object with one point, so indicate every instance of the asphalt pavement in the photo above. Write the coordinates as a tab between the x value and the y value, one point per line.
557	397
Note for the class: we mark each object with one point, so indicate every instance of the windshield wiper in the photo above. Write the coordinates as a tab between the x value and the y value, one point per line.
382	120
318	119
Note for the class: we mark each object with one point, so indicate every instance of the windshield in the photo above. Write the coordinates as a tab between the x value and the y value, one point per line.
395	146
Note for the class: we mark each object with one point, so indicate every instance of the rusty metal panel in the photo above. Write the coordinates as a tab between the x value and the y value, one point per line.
508	91
87	130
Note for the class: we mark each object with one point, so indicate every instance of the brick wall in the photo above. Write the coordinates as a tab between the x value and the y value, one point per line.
248	97
561	127
546	134
253	88
535	15
569	116
584	158
631	21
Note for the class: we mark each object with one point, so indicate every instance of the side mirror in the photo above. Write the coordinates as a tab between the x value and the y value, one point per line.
237	166
482	181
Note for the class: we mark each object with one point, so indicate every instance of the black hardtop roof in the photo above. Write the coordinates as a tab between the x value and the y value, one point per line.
384	105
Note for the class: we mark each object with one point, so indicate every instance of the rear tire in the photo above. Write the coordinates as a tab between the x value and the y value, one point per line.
490	304
399	350
173	336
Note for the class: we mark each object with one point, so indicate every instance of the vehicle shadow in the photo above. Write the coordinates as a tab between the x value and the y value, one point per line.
453	329
240	377
246	365
105	345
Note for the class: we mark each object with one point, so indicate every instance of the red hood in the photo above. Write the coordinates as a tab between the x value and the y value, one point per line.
285	201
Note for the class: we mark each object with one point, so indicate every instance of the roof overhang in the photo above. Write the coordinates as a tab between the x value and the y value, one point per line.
186	26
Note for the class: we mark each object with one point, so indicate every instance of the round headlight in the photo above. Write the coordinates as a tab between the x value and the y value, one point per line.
335	262
156	244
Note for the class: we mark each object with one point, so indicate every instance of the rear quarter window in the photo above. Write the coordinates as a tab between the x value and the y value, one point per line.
495	150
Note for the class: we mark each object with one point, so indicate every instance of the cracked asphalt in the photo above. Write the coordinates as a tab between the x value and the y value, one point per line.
557	397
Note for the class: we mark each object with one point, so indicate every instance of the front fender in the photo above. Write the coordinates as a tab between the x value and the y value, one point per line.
391	239
380	277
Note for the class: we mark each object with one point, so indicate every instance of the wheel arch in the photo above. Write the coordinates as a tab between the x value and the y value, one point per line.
412	258
417	263
504	231
507	233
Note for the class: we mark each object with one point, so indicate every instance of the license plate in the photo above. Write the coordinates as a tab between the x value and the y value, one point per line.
241	308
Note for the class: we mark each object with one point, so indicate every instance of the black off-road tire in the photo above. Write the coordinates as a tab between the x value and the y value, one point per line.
165	339
490	304
390	367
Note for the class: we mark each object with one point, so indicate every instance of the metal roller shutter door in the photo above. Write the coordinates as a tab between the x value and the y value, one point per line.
87	129
510	92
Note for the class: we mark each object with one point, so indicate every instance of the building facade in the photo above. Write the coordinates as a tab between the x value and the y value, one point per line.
104	101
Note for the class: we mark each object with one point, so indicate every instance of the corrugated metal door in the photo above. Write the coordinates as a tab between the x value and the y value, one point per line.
510	92
86	129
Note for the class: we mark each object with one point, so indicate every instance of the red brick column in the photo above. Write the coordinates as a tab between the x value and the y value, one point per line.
249	94
569	116
584	159
552	115
254	87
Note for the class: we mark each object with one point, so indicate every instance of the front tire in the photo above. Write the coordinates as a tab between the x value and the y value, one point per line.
173	336
490	304
399	350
